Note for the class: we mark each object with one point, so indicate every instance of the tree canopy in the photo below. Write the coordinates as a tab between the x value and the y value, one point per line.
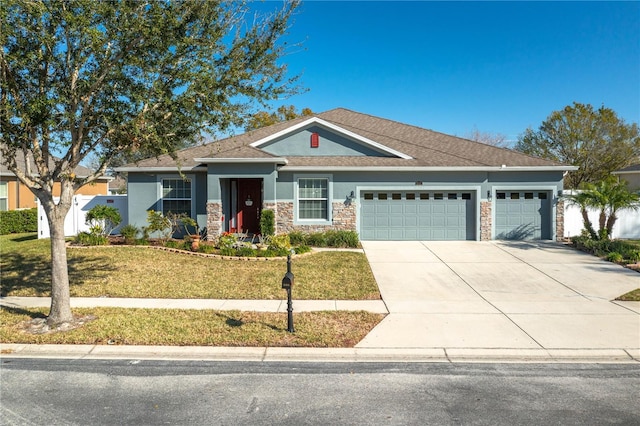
107	78
283	113
596	140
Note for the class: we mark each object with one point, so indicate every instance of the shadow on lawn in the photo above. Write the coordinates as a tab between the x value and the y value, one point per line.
22	311
22	272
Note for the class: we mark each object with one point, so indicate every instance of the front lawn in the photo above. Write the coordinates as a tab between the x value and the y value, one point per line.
119	271
176	327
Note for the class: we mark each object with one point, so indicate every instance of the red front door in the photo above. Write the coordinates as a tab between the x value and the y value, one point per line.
249	205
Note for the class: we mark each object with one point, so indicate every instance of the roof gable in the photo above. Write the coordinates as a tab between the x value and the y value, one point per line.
335	141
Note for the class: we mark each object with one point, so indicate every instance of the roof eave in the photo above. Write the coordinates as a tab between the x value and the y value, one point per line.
167	169
276	160
432	169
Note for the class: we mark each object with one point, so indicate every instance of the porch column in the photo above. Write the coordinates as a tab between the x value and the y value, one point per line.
214	220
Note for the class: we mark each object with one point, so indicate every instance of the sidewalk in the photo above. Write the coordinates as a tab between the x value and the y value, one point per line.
269	354
376	306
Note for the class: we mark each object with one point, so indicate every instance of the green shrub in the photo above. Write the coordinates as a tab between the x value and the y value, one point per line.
297	238
180	245
342	239
207	248
246	251
129	232
227	241
103	219
158	223
303	249
18	221
317	239
279	243
614	256
266	253
633	256
91	239
227	251
267	223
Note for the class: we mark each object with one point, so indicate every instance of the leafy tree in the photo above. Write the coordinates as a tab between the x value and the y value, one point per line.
609	196
597	141
284	113
109	78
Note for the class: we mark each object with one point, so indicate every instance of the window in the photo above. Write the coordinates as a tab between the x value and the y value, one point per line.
424	195
438	196
528	195
542	195
411	196
382	196
396	196
501	196
176	196
466	196
313	199
452	196
368	196
515	195
3	196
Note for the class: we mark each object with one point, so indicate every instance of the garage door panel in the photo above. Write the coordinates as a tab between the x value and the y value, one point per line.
423	215
523	215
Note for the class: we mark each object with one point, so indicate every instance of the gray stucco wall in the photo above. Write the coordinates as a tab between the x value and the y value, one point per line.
330	144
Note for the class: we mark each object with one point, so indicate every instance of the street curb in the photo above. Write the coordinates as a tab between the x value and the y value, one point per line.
268	354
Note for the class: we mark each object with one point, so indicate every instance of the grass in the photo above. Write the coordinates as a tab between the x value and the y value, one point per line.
632	296
148	273
175	327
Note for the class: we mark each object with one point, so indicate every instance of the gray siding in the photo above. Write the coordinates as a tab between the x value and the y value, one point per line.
331	144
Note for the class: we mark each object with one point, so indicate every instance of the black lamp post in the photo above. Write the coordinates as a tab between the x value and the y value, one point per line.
287	283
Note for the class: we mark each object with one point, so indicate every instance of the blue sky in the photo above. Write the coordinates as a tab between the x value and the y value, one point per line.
499	67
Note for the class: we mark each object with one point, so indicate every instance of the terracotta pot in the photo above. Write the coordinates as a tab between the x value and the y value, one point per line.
195	242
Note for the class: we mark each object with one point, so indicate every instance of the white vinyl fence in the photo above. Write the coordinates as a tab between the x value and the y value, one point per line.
626	227
74	222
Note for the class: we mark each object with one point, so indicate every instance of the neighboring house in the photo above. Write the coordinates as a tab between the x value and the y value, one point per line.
346	170
15	195
118	185
631	174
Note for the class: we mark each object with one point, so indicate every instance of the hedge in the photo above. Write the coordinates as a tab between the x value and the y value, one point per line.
18	221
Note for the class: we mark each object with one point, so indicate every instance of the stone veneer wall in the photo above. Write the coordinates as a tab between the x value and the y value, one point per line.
560	220
485	220
214	220
344	218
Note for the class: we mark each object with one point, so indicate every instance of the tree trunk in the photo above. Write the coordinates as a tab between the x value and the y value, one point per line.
610	222
60	297
587	223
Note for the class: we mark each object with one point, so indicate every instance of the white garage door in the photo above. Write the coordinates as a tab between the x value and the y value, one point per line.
417	215
523	215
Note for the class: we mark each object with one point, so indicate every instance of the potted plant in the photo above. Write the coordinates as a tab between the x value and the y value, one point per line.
190	224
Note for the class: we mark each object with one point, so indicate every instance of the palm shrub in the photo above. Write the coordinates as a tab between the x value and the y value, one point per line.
129	233
609	196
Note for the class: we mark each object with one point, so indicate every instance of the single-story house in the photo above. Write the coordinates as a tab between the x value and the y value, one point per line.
15	195
630	174
346	170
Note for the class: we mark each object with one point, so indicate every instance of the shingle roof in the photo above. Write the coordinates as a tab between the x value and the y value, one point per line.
426	147
630	169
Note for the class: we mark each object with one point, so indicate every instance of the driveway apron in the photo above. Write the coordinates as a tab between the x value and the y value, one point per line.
491	295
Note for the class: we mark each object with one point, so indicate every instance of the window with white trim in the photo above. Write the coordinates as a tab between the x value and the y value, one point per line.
313	199
4	196
176	196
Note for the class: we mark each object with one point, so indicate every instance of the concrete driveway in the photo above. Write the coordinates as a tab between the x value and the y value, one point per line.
501	295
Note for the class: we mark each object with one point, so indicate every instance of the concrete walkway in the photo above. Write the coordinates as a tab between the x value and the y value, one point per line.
501	295
447	302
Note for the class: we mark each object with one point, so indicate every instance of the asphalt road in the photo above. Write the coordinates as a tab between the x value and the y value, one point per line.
83	392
